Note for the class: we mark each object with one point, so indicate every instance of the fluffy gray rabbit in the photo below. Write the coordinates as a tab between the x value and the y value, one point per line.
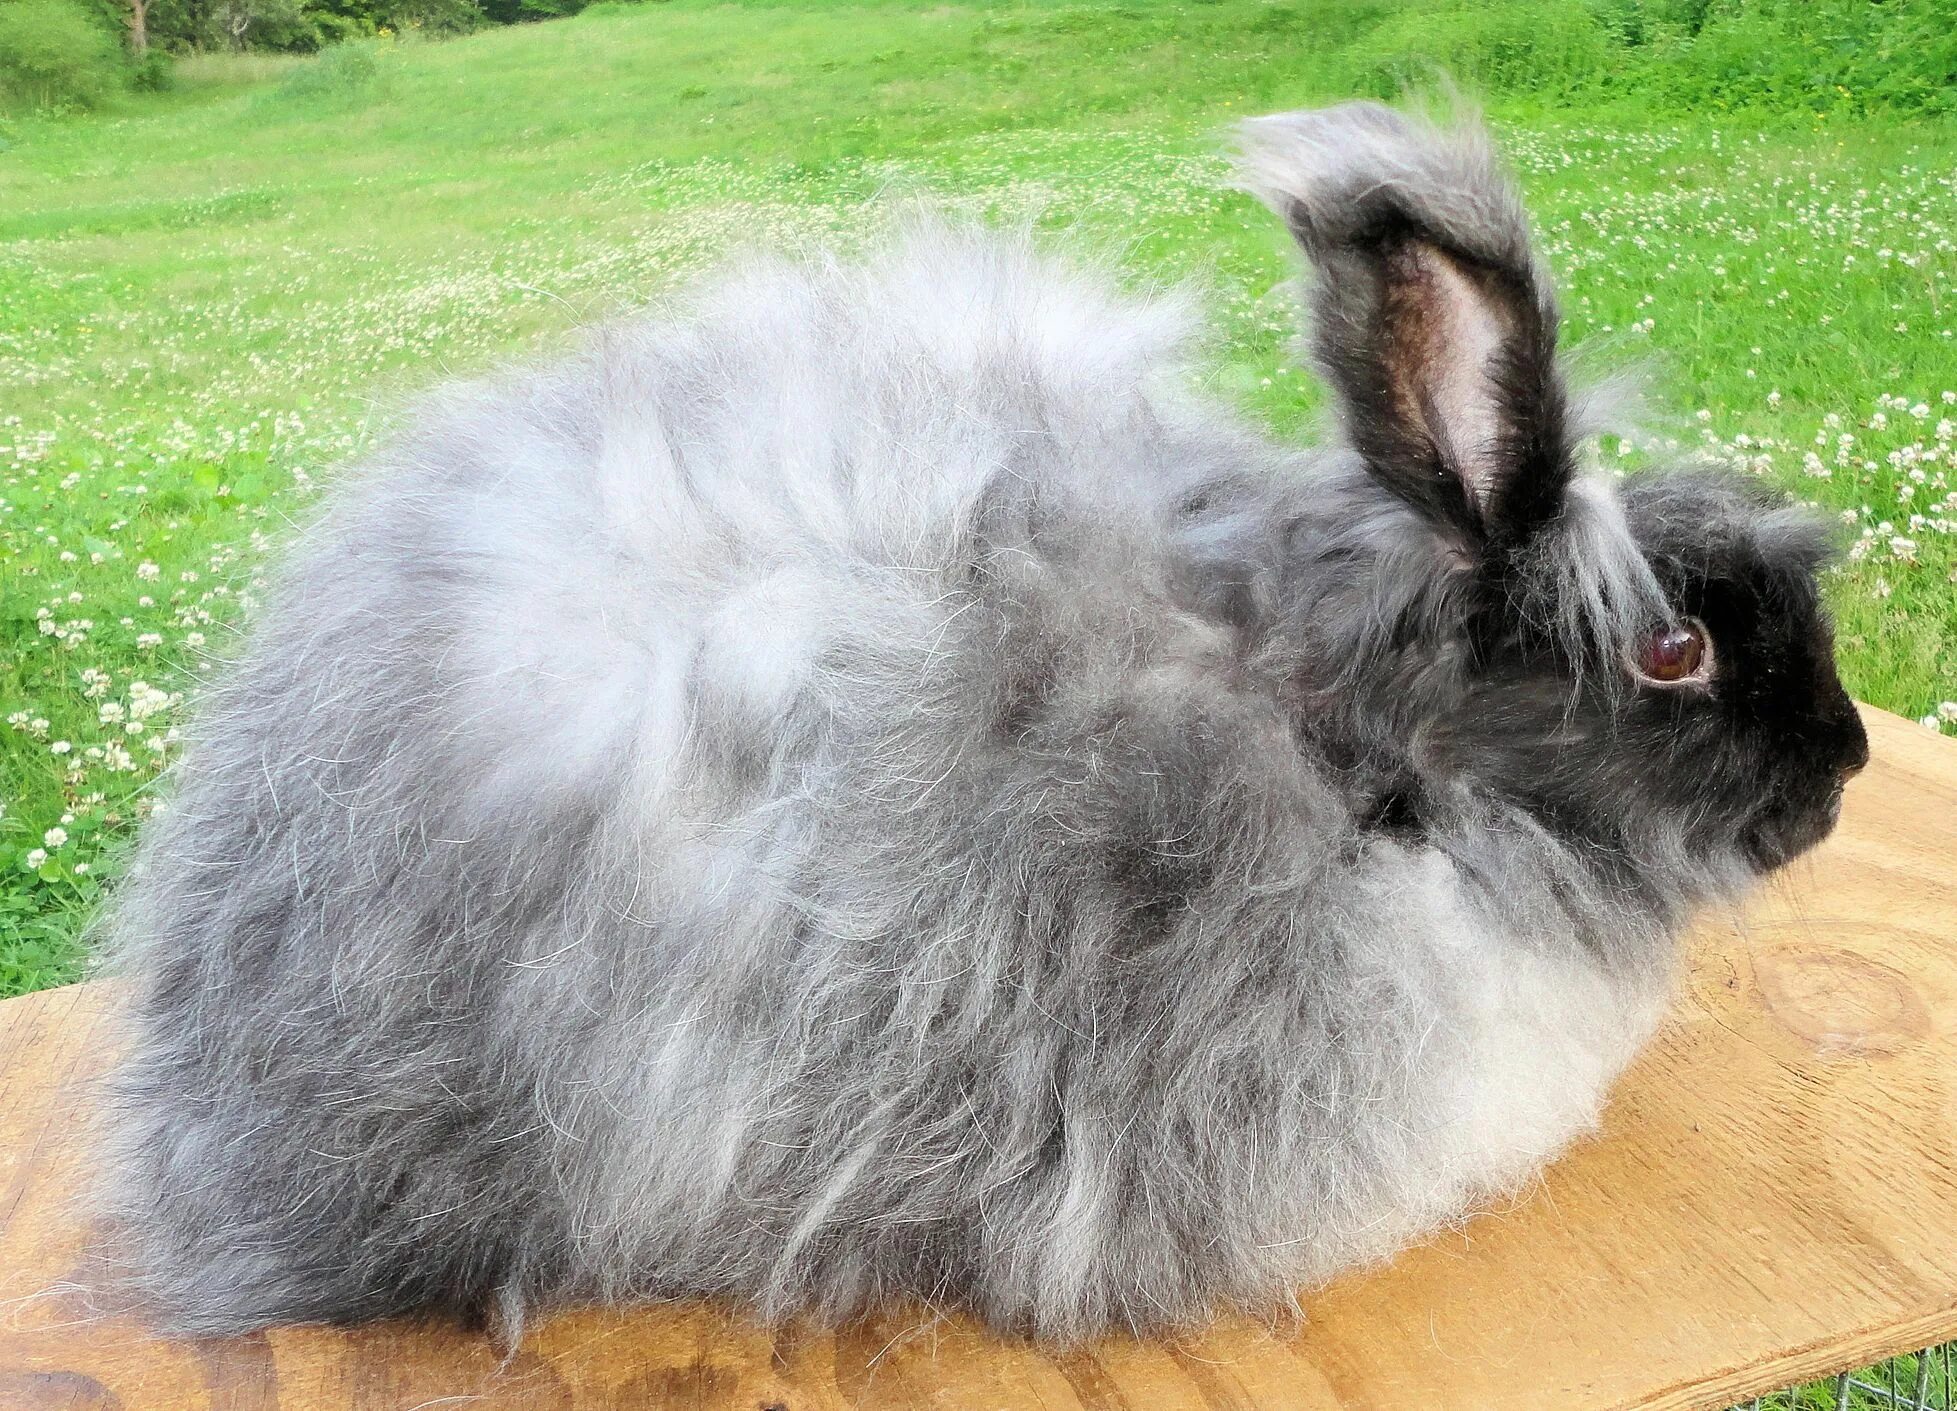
865	788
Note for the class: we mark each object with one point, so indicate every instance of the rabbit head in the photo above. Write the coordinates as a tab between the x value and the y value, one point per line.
1645	666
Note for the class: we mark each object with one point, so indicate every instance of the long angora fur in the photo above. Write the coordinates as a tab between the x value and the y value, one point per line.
862	786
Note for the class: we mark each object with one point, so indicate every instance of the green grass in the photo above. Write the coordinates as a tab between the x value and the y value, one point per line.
210	296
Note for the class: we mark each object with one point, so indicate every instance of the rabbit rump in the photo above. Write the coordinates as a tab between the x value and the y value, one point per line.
863	788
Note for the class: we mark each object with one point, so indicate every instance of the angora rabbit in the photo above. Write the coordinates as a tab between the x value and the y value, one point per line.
866	789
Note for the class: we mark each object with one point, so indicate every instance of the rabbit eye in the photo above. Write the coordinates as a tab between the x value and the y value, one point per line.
1674	655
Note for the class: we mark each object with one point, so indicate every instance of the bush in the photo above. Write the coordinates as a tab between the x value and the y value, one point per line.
1821	55
1766	56
435	16
346	75
54	55
523	11
153	71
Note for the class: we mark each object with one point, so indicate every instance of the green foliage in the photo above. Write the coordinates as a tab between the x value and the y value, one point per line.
195	25
1819	55
302	26
263	24
342	77
152	71
55	55
1780	56
521	11
1543	51
434	17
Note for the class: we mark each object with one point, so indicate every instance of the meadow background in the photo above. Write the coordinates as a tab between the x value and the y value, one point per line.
225	261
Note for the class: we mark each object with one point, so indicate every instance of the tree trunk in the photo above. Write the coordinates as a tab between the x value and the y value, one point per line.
139	26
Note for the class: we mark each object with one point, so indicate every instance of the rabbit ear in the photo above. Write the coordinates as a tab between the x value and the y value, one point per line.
1430	315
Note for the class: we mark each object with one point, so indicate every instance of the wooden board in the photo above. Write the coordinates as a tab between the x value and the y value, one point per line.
1774	1197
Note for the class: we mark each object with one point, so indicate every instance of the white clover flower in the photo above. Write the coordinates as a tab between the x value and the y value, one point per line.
55	837
147	571
146	700
33	859
60	747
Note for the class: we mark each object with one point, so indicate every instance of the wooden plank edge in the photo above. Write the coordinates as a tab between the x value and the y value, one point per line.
1824	1357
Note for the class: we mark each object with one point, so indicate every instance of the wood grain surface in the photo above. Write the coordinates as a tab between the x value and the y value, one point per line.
1774	1197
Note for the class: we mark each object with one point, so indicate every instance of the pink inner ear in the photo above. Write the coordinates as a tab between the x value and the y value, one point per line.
1447	334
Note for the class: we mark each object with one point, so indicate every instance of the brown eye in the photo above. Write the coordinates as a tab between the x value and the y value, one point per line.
1673	656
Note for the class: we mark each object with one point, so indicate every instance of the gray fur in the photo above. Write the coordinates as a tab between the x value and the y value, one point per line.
858	787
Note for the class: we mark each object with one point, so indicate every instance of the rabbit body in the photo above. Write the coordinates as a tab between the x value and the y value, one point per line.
778	808
855	790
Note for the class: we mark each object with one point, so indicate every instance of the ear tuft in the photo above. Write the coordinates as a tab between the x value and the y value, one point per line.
1347	176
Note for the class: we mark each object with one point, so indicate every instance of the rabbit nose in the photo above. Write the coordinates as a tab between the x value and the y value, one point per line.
1856	758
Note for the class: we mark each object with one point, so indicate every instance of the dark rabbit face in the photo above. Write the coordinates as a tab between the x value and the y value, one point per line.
1760	741
1721	725
1644	664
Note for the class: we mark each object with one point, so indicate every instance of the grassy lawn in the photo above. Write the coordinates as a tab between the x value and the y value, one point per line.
213	295
210	297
